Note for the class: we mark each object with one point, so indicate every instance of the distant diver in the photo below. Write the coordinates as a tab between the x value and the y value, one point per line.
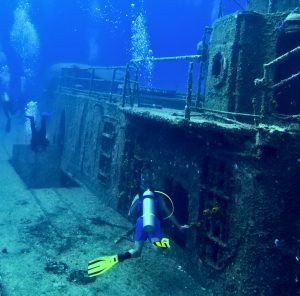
148	208
39	141
8	110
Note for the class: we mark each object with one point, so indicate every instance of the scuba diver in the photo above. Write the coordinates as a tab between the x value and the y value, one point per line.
8	110
38	142
148	208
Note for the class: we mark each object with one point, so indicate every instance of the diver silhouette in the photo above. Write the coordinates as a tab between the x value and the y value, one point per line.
8	111
39	142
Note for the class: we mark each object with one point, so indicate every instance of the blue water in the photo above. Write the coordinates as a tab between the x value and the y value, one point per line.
35	34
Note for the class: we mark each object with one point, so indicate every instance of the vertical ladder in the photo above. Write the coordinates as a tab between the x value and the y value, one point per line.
106	150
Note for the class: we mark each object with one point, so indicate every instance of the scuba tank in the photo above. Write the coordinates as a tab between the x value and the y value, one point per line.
148	211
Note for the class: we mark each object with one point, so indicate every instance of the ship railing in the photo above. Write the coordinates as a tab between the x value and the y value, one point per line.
119	84
119	87
147	96
100	82
175	96
267	84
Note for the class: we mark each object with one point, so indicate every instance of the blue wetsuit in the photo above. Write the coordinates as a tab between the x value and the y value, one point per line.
140	234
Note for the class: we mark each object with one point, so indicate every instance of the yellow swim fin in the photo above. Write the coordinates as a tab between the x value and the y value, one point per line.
164	243
102	264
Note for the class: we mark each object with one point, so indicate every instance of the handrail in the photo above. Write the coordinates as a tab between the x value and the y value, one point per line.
94	68
266	80
167	59
71	75
225	112
283	57
285	81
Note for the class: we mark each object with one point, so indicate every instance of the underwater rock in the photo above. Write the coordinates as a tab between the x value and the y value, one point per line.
56	267
80	277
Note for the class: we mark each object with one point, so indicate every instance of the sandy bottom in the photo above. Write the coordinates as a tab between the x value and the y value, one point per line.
49	235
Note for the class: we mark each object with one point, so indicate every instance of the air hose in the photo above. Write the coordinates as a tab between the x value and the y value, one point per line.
172	204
